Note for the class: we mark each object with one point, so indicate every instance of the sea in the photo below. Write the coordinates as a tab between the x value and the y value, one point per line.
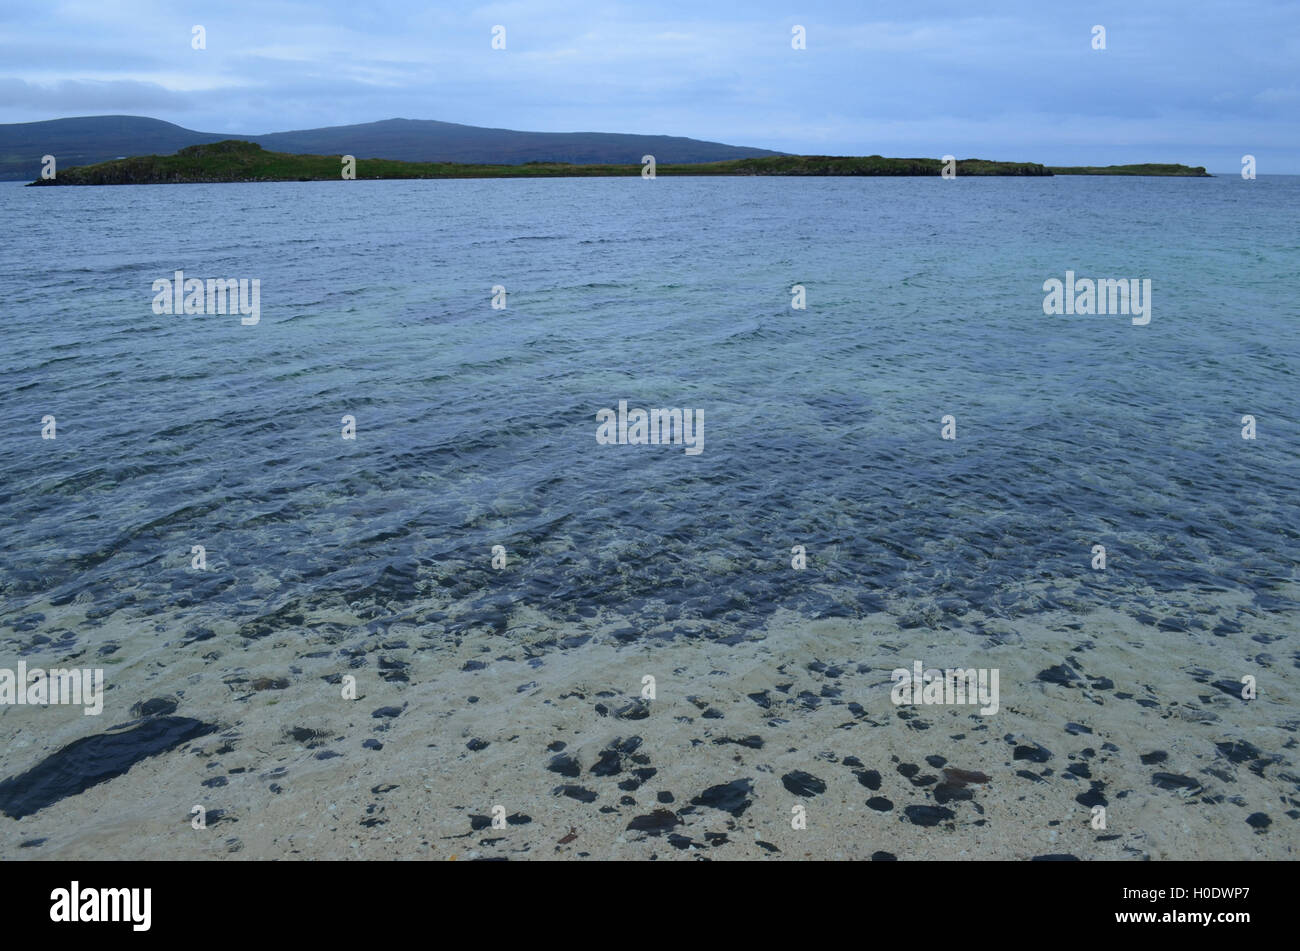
822	426
890	423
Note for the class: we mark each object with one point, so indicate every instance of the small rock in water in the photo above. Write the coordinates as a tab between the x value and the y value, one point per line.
1258	821
960	777
160	706
732	797
1059	674
803	784
951	792
656	823
1233	688
1093	797
1238	751
1174	781
636	710
869	778
565	765
928	815
1035	753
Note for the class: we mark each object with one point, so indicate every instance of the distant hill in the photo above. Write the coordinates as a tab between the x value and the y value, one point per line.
90	140
87	141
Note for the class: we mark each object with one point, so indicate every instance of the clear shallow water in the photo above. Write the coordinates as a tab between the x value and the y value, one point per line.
476	427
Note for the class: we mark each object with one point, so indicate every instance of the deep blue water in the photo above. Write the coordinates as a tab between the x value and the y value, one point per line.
476	427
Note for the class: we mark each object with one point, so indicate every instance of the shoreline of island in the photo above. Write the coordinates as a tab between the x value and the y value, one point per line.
235	160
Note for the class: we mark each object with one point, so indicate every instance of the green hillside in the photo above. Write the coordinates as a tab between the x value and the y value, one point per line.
237	161
1181	171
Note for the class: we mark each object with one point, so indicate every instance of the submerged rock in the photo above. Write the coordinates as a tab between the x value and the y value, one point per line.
1035	754
636	710
656	823
928	815
952	792
803	784
1174	781
565	765
868	777
960	777
93	760
160	706
732	797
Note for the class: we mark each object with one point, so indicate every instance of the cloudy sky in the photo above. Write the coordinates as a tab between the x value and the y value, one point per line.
1195	81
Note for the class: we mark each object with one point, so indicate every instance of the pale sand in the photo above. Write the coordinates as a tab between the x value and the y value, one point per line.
437	783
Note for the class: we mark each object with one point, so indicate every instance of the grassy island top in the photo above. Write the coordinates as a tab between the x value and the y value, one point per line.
237	161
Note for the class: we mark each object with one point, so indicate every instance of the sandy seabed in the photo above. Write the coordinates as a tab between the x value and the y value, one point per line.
559	742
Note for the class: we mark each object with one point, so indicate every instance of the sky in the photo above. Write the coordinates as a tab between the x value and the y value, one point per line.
1201	82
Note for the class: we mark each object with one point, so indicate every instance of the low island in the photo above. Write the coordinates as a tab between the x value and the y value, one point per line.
237	161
